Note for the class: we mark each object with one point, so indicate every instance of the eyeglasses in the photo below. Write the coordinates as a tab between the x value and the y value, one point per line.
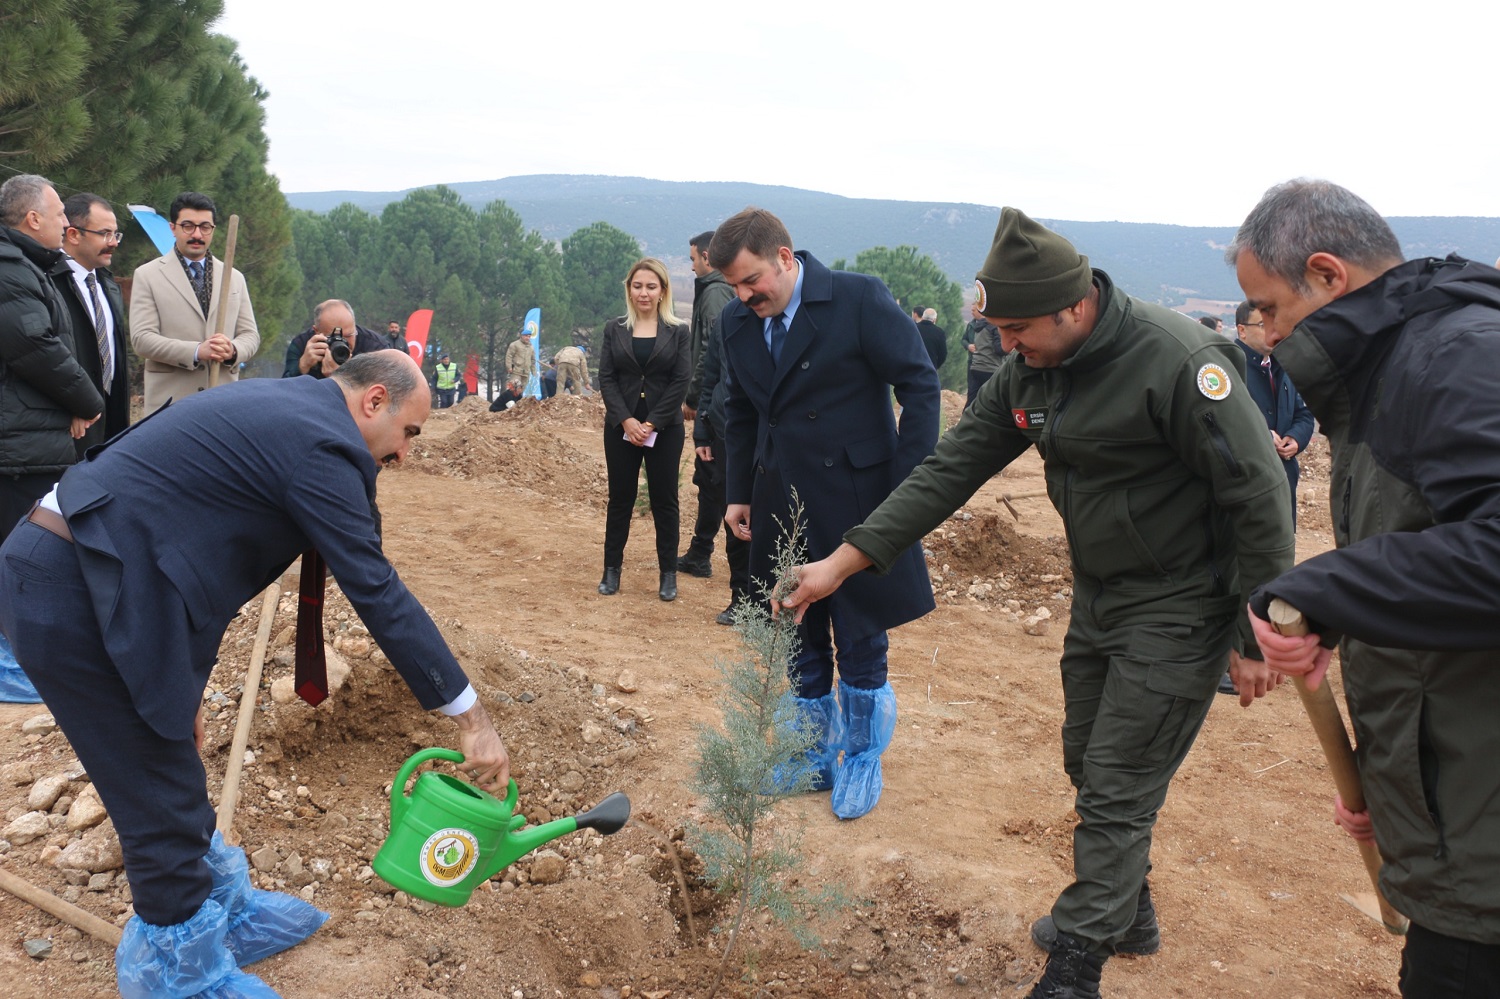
203	227
110	235
1252	324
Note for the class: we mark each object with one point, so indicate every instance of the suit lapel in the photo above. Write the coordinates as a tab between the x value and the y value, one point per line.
817	289
744	338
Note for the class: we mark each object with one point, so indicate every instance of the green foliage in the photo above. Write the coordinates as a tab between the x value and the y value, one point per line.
917	282
137	101
595	260
745	769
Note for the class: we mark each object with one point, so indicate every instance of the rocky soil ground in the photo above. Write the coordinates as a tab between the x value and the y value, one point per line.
496	524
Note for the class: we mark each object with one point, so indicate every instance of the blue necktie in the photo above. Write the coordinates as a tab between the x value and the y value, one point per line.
778	337
195	268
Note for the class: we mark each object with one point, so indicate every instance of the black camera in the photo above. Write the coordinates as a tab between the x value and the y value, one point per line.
338	347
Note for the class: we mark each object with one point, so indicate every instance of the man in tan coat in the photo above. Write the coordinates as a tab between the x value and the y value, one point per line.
174	304
519	360
572	366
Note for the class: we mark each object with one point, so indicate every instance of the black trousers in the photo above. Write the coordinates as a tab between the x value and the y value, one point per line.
976	380
735	550
18	494
153	787
622	462
1434	966
709	478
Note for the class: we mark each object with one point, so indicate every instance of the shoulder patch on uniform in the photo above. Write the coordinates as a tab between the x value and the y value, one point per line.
979	295
1213	381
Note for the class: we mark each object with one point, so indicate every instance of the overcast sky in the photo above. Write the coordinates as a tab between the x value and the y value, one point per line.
1148	112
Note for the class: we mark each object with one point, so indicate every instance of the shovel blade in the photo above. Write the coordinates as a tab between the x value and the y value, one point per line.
1368	904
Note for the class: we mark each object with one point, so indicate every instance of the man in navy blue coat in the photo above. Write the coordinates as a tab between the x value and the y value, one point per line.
812	358
1287	416
117	590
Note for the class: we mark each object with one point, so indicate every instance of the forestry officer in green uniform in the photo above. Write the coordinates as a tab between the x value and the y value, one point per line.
1174	502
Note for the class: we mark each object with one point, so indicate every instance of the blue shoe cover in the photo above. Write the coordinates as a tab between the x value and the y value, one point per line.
15	686
821	714
869	724
183	960
261	923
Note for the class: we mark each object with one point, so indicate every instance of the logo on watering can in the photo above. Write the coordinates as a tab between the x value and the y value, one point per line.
448	856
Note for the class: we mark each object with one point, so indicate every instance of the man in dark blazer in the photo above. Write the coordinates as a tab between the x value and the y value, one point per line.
813	356
97	310
116	613
1287	416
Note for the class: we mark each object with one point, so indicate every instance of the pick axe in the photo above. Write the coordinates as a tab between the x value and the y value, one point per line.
229	240
1028	494
1334	738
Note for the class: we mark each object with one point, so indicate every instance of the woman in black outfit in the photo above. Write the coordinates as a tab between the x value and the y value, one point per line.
644	370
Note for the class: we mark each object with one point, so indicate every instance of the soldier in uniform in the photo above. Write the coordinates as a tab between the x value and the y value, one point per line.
519	359
1170	490
572	366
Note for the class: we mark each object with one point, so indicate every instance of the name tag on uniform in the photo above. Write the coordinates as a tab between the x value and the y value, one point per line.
1030	419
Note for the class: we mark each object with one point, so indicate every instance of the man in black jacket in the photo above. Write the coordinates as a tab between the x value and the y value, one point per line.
1399	362
46	399
96	310
710	295
934	337
309	352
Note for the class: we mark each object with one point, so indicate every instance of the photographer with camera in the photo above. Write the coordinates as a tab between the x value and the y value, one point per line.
333	339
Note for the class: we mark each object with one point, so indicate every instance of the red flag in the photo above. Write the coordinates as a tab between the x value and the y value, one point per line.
471	374
416	334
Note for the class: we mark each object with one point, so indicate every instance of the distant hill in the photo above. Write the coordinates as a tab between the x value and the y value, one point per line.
1170	264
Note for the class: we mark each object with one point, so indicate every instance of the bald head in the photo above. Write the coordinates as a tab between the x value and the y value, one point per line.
334	313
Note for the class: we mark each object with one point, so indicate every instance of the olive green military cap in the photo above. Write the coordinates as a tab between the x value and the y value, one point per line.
1030	271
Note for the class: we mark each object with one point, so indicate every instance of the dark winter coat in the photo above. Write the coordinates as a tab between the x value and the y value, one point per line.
1402	376
42	385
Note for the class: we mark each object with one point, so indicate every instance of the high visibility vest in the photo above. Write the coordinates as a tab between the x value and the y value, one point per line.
447	375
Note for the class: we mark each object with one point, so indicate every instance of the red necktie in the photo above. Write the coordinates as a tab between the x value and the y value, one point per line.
311	677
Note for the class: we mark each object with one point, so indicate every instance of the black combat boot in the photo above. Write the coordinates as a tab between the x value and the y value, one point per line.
1072	971
695	562
668	588
610	584
1143	937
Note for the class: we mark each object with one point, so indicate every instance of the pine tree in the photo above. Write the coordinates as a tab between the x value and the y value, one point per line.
756	761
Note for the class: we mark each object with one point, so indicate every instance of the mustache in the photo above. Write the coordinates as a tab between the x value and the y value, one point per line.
757	300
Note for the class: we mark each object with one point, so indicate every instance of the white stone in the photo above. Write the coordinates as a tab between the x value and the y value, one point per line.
45	792
283	690
627	682
38	725
98	850
29	826
87	810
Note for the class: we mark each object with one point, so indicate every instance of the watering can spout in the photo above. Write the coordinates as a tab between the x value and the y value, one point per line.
609	816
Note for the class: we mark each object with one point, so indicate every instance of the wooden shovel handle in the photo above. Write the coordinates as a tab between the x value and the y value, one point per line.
66	911
248	697
1323	712
228	282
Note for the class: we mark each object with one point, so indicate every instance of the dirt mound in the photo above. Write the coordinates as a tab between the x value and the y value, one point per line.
533	446
1315	465
953	407
981	557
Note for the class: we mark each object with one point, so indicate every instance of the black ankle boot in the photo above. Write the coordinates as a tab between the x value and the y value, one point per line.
668	590
1072	971
695	563
1143	937
610	584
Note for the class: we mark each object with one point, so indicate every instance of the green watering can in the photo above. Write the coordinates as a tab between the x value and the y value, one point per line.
448	837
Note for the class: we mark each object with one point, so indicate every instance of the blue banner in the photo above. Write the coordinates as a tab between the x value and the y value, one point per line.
158	228
533	326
